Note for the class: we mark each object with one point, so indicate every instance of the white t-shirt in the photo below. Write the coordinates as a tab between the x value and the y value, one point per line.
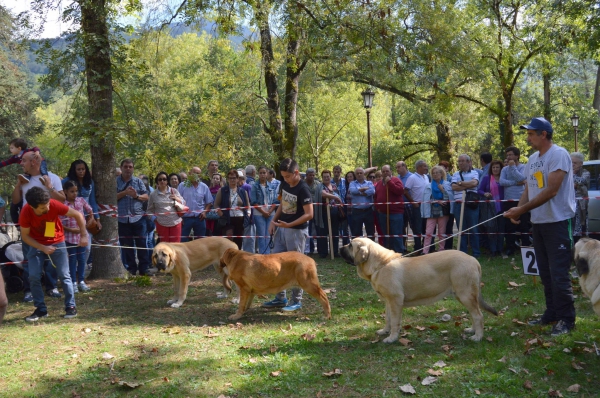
416	184
466	176
34	181
562	206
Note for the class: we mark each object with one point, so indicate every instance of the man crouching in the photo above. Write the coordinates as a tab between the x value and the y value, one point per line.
42	230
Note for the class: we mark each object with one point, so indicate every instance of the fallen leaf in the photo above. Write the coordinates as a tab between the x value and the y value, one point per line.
528	385
172	330
333	373
503	360
429	380
447	348
432	372
439	364
275	374
166	379
211	335
574	388
554	393
513	370
130	384
405	342
434	327
477	392
106	355
576	365
429	341
252	360
308	336
407	389
419	328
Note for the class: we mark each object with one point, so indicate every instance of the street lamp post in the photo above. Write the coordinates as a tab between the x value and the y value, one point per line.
575	121
368	96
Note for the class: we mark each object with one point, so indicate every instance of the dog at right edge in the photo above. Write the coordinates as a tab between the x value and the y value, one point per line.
586	257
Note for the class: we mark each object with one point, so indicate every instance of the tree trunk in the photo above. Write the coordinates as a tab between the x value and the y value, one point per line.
547	105
275	127
507	121
444	139
106	260
293	70
593	141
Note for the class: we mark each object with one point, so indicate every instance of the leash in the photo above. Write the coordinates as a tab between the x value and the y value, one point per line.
271	243
452	236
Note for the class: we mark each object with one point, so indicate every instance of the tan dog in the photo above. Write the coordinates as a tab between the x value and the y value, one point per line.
180	259
410	282
270	273
587	261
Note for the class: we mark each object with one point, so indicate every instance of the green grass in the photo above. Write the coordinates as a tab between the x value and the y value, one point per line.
195	351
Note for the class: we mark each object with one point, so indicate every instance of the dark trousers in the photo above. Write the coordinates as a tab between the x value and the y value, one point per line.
360	217
552	243
511	229
449	244
416	225
134	235
322	241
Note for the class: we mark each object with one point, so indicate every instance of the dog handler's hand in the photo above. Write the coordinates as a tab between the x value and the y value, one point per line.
49	249
513	214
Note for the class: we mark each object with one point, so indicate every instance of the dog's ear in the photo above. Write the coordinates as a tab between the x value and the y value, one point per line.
154	258
226	257
361	254
172	254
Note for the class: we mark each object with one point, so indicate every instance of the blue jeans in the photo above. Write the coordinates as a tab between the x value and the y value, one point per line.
262	230
470	218
35	264
50	272
396	228
195	224
249	241
134	235
322	243
77	259
360	217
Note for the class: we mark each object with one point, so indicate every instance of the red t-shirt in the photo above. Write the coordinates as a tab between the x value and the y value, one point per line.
47	228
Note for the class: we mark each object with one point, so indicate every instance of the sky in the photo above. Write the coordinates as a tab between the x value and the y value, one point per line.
53	27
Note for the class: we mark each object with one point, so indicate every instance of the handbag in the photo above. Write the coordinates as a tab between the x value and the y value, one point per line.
92	227
180	208
212	215
471	197
487	211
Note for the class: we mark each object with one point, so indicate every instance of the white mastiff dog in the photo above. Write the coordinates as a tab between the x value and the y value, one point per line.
587	261
413	281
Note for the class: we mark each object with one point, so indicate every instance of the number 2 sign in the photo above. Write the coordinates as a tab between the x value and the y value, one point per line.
529	262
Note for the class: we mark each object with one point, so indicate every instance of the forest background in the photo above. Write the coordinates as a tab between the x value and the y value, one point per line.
175	84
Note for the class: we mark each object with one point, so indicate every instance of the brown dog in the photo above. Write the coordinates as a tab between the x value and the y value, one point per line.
271	273
587	261
409	282
180	259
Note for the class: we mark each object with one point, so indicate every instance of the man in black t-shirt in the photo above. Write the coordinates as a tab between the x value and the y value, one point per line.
291	222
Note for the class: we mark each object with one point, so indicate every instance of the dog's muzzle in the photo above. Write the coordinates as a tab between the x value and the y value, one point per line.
346	254
161	265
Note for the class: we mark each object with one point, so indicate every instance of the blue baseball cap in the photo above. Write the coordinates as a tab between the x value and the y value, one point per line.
538	123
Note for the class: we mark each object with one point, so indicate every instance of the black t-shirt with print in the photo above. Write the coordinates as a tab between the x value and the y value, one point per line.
293	200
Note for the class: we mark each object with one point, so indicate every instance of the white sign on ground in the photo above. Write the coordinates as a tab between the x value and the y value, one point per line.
529	261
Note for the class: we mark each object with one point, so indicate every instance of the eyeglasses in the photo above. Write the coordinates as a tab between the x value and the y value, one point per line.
371	177
161	179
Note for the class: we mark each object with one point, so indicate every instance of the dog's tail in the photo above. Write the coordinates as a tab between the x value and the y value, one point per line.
485	306
225	277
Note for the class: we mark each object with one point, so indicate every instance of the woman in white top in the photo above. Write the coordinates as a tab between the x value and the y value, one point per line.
228	201
161	203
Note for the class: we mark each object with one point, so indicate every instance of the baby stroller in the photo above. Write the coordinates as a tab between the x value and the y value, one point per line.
13	273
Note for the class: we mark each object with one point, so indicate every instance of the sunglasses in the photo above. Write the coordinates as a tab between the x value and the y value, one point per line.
371	177
161	179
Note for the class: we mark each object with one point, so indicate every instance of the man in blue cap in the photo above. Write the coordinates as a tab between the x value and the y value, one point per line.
550	197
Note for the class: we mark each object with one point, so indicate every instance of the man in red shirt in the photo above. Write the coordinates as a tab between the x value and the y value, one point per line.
42	230
390	189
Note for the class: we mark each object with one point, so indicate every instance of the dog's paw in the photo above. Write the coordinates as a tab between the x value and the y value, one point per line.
171	302
176	305
382	332
235	300
234	317
476	338
469	330
390	339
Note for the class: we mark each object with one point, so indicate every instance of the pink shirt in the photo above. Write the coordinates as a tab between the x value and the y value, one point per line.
80	205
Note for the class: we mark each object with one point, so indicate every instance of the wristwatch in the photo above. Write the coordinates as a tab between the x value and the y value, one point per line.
51	189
